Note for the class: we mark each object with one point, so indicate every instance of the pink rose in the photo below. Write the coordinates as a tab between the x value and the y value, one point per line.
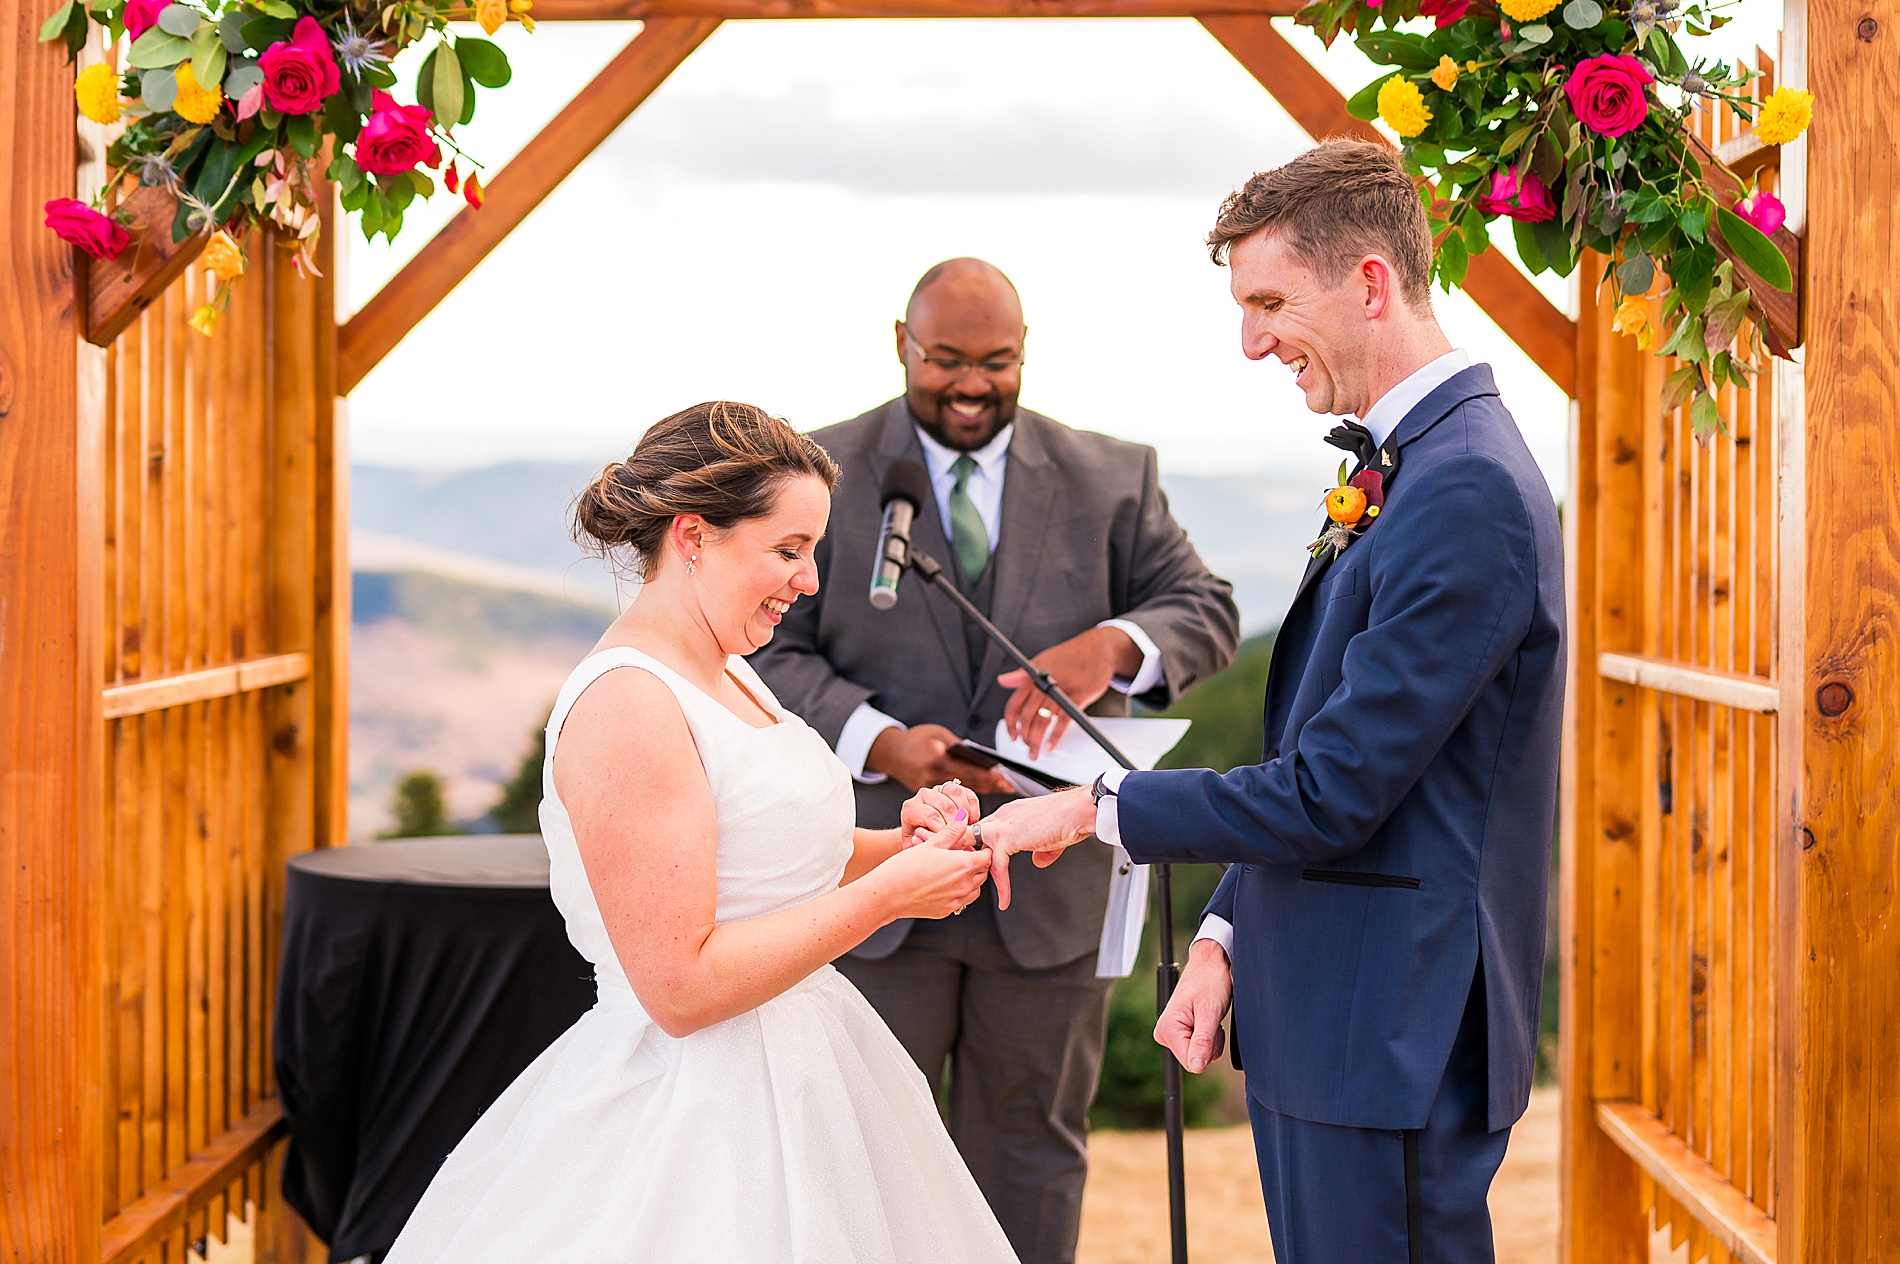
1606	93
1517	194
1444	12
141	15
395	139
1764	210
86	228
301	72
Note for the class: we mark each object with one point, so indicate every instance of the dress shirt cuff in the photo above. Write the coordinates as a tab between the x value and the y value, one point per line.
1220	930
1107	824
857	736
1149	674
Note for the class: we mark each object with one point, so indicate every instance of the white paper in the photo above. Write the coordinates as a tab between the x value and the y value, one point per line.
1079	761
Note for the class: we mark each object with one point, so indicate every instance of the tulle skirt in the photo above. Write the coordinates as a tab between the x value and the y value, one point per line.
800	1131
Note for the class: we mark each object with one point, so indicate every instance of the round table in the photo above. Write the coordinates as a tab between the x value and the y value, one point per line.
419	978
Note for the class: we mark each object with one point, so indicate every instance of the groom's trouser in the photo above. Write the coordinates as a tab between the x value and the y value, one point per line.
1367	1196
1024	1048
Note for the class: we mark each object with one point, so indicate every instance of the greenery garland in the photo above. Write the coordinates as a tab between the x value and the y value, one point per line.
1555	120
229	105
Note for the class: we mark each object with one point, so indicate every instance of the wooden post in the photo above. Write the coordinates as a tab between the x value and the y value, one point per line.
49	677
1841	1182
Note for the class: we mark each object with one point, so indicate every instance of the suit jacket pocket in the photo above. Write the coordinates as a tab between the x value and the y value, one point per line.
1355	878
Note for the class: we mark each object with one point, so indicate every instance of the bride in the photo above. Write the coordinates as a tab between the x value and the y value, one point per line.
730	1097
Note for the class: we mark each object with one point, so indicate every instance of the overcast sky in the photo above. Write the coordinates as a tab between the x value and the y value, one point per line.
755	227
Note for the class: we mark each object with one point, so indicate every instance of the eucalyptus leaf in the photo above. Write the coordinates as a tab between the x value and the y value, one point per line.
179	19
1581	15
276	9
242	77
158	88
447	82
156	49
53	26
207	63
1756	253
231	30
1536	33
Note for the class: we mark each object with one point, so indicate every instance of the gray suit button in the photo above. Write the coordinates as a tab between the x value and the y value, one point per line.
1126	867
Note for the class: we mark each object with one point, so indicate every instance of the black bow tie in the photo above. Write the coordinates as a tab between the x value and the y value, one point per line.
1356	439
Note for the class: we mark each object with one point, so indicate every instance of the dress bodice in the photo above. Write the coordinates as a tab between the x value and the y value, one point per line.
782	798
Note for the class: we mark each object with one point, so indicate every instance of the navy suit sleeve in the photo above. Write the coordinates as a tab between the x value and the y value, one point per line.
1453	583
1222	905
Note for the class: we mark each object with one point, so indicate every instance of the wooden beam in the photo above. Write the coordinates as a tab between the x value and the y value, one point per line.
1688	1178
142	696
117	290
592	116
152	1216
623	10
1496	284
1724	689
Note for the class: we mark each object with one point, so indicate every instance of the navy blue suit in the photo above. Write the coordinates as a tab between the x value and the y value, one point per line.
1389	857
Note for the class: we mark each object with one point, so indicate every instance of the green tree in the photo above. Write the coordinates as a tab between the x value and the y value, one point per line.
518	811
419	809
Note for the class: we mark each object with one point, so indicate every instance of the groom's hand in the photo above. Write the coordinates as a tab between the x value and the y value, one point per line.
920	756
1045	826
1190	1028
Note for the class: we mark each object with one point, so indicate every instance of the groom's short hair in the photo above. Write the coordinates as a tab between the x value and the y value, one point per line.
1337	203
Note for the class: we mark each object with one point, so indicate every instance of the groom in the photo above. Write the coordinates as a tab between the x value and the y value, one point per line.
1380	930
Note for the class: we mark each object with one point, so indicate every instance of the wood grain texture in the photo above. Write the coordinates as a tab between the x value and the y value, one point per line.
204	684
592	116
189	1189
1847	1027
117	290
1496	284
48	675
623	10
1738	1225
1728	689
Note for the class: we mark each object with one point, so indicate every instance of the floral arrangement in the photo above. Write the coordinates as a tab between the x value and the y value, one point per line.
1350	509
231	105
1572	123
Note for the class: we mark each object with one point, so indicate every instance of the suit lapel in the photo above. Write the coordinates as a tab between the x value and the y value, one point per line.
1027	499
899	440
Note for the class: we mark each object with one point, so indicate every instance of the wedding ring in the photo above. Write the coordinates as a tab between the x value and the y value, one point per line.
1044	712
976	832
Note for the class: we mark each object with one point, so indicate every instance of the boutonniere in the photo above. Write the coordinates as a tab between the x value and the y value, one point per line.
1351	507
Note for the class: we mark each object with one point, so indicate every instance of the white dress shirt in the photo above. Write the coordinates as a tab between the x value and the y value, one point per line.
1381	419
985	490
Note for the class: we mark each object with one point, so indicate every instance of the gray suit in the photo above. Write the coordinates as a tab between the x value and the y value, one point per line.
1086	536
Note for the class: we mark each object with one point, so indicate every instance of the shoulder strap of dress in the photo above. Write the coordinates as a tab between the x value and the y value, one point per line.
593	667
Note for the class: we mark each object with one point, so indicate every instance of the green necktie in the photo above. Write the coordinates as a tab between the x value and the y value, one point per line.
969	538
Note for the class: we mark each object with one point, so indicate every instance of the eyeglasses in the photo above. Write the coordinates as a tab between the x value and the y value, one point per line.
957	367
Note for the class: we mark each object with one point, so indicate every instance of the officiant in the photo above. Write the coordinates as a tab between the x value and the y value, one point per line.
1063	537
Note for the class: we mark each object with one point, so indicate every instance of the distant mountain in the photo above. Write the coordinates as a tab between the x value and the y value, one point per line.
1252	530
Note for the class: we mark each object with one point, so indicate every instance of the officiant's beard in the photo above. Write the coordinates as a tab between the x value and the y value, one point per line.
941	423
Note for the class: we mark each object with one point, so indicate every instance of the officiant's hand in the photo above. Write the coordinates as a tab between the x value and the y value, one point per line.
1083	667
920	756
1045	827
941	816
1190	1028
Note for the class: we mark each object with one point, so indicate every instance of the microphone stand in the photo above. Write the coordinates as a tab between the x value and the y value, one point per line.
1168	972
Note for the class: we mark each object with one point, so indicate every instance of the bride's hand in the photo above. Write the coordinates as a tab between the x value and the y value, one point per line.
940	815
933	881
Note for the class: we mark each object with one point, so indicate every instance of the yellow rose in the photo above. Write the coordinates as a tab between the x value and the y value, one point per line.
1526	10
1784	115
222	256
1445	74
204	320
1402	106
97	89
1632	320
491	14
195	104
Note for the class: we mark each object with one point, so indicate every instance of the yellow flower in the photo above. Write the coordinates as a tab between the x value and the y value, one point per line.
1346	505
204	320
195	104
1632	319
520	6
1526	10
1445	74
491	14
1402	106
98	91
1471	67
1784	115
222	256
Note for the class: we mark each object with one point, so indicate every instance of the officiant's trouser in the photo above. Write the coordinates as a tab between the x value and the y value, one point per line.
1368	1196
1024	1048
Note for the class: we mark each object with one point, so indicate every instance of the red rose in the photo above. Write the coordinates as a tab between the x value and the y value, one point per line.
86	228
1444	12
301	72
396	139
1517	195
1606	93
141	15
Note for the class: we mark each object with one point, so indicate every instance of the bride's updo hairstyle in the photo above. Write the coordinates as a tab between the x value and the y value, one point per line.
720	460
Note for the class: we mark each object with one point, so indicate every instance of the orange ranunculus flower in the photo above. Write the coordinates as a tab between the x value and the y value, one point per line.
1346	505
222	256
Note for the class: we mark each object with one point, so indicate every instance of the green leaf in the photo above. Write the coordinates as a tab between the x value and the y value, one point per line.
1705	419
158	88
1723	319
75	32
179	19
157	48
1756	253
1453	260
1364	104
485	63
425	187
1553	240
208	60
1534	34
1396	49
1581	15
359	94
1515	140
398	192
425	81
261	33
1694	223
341	118
447	80
1528	248
372	217
276	9
231	31
1636	274
303	135
55	26
242	77
1679	386
220	165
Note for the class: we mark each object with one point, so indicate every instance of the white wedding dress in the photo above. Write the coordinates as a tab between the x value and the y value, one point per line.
800	1131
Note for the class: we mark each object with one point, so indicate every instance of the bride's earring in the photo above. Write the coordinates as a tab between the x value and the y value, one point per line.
692	566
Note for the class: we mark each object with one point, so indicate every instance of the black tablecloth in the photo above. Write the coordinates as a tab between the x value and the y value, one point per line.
419	979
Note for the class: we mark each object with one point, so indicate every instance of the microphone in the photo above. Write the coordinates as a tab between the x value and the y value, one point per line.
906	488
